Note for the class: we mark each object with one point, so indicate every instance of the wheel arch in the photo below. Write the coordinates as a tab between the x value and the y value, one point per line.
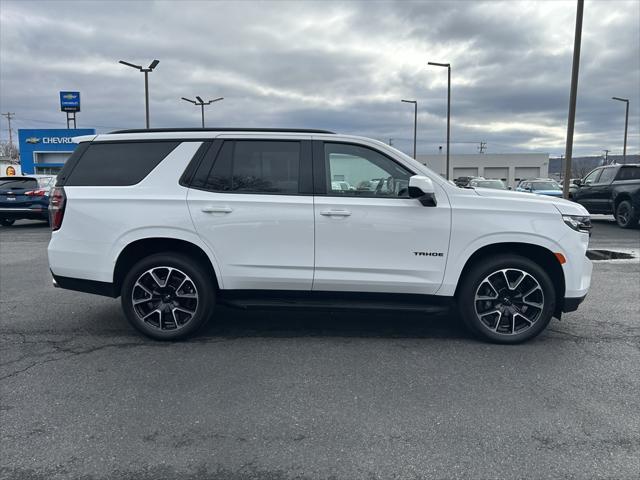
621	197
539	254
144	247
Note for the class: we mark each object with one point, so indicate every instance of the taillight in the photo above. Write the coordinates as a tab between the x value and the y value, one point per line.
41	192
57	202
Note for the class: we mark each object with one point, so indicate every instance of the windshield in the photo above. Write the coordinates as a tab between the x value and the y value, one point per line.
489	184
545	186
46	182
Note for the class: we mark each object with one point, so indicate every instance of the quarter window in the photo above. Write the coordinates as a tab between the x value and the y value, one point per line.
359	171
253	166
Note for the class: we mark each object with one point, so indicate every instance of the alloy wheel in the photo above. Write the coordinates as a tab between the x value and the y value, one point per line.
509	301
165	298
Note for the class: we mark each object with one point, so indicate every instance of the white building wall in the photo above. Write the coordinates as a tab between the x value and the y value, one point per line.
490	165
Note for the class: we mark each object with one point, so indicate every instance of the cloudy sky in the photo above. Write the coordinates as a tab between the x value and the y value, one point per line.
343	66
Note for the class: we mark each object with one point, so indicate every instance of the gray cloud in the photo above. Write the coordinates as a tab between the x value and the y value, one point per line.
342	66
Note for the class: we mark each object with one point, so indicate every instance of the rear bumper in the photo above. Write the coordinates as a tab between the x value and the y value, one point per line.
24	213
571	304
86	286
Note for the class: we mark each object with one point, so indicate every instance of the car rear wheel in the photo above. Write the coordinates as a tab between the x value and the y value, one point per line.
625	215
167	296
506	299
6	222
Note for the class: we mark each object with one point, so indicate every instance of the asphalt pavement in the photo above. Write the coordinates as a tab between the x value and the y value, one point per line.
278	395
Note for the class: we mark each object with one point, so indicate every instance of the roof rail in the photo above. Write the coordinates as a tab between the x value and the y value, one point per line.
224	129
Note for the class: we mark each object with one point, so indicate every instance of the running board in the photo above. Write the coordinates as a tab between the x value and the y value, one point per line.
350	301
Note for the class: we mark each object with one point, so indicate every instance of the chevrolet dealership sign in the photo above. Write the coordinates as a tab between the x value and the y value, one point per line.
42	148
70	101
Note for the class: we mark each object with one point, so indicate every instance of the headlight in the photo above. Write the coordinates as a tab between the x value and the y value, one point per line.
579	223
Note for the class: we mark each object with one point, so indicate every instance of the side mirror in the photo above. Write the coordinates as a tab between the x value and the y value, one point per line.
577	182
421	187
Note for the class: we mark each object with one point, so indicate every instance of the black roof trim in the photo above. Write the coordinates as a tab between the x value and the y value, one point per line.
224	129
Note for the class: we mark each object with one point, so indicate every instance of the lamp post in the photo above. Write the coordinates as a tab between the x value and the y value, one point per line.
415	123
201	103
626	124
448	66
573	97
146	71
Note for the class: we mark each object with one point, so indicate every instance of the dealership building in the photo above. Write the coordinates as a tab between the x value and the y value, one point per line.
509	167
45	151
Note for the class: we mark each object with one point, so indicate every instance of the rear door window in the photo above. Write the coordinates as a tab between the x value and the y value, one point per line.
118	163
255	166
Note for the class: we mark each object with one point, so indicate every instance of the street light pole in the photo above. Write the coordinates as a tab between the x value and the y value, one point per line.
415	124
448	66
626	124
146	71
201	103
572	99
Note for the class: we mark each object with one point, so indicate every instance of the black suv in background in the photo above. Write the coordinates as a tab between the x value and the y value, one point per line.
611	190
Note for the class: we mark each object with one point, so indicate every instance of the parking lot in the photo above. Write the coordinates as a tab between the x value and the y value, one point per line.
281	395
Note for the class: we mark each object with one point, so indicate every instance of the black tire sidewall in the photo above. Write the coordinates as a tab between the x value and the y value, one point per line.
479	272
632	219
199	275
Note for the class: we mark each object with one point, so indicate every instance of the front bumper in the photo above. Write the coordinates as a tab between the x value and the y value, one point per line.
571	304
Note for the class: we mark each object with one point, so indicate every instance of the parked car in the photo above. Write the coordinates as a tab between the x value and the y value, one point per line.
490	183
180	221
549	188
463	182
24	197
612	190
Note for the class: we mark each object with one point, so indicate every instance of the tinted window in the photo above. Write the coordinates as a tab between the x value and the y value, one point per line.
545	186
607	175
359	171
592	177
253	166
10	183
629	173
118	163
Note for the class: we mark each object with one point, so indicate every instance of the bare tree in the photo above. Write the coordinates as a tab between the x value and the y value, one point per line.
10	151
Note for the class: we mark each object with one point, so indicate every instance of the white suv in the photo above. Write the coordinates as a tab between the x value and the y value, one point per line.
175	221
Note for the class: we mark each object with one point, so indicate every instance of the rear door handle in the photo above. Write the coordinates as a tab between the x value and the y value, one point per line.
214	209
335	213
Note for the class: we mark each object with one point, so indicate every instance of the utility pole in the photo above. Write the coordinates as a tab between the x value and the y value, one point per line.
482	147
146	71
415	124
626	124
391	142
448	67
9	115
606	156
573	97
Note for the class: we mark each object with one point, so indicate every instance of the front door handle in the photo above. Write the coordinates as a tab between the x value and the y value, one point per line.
214	209
335	213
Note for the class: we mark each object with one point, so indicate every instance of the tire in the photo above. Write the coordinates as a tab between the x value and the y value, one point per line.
6	222
181	296
517	299
625	215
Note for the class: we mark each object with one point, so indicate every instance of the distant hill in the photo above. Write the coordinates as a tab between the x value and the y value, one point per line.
580	166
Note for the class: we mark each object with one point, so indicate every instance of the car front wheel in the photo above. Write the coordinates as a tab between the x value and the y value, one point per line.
506	299
167	296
